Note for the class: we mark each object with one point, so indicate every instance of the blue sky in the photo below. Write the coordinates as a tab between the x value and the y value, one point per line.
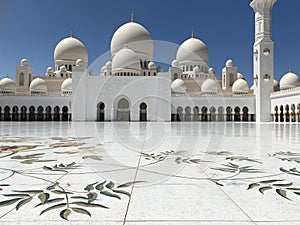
31	29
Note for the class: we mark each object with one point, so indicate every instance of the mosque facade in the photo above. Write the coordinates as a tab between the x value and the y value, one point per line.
131	87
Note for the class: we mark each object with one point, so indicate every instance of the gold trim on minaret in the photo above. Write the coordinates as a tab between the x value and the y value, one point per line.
132	16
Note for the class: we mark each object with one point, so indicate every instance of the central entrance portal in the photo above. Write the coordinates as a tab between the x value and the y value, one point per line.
123	110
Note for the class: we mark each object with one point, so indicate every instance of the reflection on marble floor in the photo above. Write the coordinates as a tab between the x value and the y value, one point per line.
149	173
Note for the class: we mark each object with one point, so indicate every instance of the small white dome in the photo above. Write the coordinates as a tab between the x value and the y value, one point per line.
63	69
240	76
136	37
108	65
192	49
211	71
252	87
24	62
175	63
240	86
289	80
38	85
7	85
70	49
49	69
276	85
126	59
80	62
151	66
209	86
66	86
178	86
103	68
229	63
196	70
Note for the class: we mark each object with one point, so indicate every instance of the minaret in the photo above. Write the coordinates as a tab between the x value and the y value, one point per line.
263	56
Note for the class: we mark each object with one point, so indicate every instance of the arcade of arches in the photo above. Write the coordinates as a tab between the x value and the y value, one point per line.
212	114
32	113
122	111
286	113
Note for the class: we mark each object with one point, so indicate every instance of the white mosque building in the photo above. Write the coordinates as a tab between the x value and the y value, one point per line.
131	87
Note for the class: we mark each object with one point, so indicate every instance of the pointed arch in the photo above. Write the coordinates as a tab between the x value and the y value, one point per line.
31	113
143	111
100	111
15	113
56	115
237	115
220	113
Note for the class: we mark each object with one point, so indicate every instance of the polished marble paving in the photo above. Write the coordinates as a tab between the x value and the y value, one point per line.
149	173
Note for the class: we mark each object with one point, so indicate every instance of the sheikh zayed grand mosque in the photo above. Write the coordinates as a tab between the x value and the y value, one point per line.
131	87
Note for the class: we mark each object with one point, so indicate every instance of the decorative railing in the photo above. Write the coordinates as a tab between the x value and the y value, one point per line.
285	91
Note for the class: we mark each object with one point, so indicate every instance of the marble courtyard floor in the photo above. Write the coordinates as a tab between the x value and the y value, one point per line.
149	173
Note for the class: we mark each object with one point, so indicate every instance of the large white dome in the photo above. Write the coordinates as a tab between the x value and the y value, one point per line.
7	85
126	59
136	37
209	86
192	50
66	86
240	86
178	86
38	85
289	80
70	49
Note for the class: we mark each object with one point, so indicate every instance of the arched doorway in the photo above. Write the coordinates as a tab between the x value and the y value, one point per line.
23	113
220	113
7	113
15	114
48	113
40	116
237	116
212	113
65	114
287	113
293	113
281	114
276	114
56	116
179	113
123	110
0	113
245	114
204	116
31	113
228	113
143	111
187	113
196	113
101	111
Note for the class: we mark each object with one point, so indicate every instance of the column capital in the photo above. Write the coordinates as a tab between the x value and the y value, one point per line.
262	6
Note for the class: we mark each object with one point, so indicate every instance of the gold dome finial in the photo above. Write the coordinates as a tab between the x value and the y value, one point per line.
71	34
290	70
132	16
193	34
